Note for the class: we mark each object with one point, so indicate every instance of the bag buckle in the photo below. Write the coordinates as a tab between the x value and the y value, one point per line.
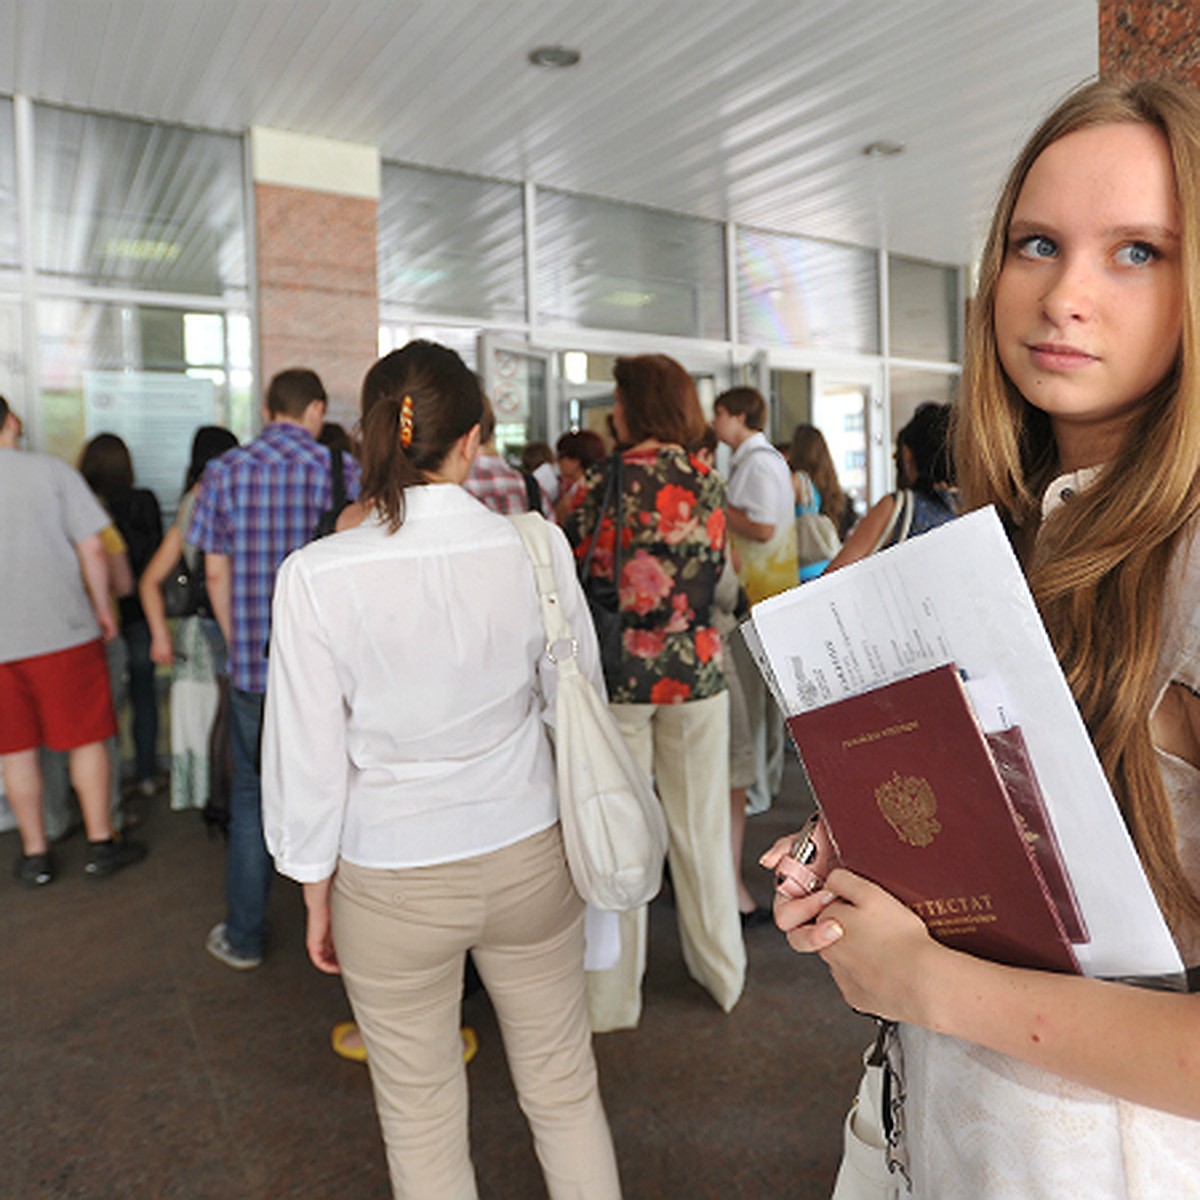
562	649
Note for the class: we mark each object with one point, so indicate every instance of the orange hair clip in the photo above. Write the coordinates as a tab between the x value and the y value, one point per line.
406	422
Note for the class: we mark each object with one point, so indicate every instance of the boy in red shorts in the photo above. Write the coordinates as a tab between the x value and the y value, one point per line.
53	670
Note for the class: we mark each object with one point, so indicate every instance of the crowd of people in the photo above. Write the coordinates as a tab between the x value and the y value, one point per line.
402	772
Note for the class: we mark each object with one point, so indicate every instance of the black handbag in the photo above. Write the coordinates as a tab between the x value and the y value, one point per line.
603	595
180	591
183	590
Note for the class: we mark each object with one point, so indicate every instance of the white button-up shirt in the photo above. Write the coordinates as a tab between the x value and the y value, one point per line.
403	717
760	483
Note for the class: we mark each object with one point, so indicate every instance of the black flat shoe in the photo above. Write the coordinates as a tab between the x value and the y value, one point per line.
34	870
756	916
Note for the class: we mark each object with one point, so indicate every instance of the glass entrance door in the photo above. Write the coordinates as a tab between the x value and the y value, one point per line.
842	410
585	386
846	405
12	374
540	392
517	381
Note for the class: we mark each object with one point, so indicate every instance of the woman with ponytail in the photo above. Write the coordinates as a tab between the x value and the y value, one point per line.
1079	420
409	785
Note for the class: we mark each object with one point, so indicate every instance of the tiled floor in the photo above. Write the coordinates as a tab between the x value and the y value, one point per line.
134	1065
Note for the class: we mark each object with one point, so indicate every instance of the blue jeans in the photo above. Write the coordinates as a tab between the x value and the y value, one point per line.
249	868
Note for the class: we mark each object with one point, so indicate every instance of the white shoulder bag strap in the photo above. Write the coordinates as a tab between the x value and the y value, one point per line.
896	530
614	831
561	645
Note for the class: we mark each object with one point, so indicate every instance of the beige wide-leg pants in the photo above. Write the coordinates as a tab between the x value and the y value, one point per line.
401	937
685	747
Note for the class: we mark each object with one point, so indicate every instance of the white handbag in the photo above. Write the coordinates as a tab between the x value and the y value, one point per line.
613	827
816	535
865	1173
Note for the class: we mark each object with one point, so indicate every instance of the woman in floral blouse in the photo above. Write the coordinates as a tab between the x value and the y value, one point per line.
669	697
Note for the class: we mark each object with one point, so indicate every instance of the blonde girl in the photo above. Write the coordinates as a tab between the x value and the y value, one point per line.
1080	421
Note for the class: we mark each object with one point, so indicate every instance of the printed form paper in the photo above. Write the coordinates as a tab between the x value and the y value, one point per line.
957	594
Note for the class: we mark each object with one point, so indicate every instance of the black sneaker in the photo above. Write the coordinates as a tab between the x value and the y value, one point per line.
34	870
107	858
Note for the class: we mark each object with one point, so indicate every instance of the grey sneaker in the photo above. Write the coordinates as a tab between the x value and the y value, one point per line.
107	858
34	870
217	944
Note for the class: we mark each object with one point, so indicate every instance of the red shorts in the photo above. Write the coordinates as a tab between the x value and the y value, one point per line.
60	700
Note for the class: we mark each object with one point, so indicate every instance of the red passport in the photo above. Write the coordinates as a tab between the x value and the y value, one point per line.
915	801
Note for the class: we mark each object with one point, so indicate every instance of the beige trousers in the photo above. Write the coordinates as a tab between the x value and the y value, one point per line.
767	730
401	937
686	749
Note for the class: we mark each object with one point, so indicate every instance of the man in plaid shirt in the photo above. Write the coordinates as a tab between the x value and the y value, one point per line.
257	504
492	481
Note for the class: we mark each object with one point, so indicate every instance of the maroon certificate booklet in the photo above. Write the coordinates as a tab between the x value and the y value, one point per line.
1016	772
914	801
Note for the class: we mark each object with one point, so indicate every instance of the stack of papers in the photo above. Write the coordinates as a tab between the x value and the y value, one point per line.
957	595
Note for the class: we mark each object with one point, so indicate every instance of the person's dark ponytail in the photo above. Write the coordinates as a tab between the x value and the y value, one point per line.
417	402
387	469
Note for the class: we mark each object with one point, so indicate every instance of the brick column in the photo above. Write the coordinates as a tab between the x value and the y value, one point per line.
1149	39
316	205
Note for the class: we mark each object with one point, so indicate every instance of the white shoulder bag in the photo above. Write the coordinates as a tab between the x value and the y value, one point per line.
613	827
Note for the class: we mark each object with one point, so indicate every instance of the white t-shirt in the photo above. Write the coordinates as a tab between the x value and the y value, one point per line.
547	477
47	511
760	484
403	721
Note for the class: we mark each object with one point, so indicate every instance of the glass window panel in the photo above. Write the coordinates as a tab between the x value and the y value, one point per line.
124	368
126	203
910	388
791	403
451	244
463	340
203	339
603	265
795	291
10	244
923	310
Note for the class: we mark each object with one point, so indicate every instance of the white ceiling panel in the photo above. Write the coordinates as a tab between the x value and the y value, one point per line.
754	110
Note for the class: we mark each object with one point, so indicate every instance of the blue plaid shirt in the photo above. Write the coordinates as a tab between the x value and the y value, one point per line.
257	504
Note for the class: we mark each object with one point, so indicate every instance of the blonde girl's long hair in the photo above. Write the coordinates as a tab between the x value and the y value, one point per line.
1099	568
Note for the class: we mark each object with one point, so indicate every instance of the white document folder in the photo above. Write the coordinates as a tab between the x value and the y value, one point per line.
957	594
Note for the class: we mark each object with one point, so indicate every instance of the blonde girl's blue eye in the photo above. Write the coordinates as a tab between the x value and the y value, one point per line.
1136	254
1036	246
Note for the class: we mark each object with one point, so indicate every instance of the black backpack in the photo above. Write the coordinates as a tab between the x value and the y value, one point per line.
327	521
139	522
533	492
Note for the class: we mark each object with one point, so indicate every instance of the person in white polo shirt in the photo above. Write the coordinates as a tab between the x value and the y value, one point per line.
762	529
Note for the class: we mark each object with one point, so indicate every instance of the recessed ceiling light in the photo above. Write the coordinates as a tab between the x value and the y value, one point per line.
554	56
883	149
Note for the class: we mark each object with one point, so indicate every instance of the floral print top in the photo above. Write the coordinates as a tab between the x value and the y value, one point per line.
672	552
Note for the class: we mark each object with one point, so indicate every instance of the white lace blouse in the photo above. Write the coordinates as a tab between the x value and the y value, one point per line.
983	1126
